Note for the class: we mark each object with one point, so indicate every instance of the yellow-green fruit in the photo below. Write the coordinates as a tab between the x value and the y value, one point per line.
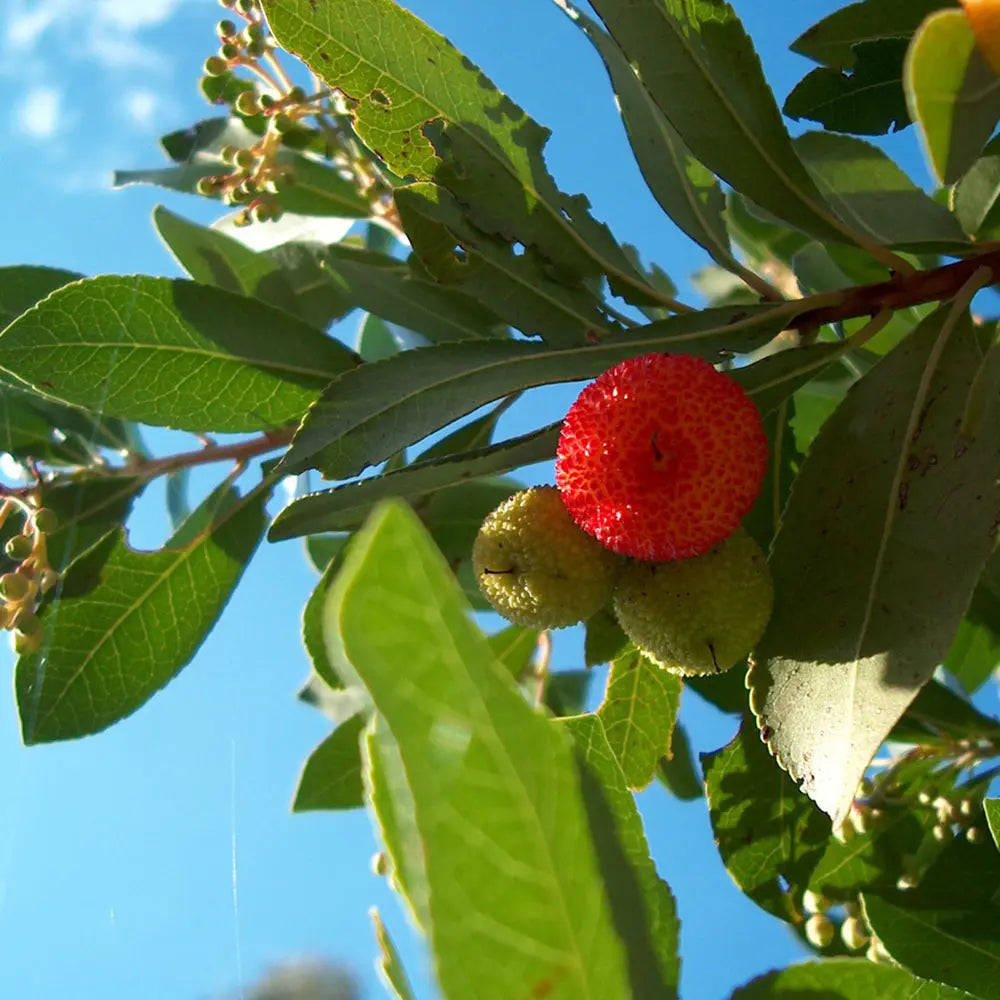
700	615
536	567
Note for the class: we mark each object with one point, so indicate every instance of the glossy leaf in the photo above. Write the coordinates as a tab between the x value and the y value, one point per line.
952	93
700	68
872	195
349	504
604	640
331	777
975	197
644	907
864	517
769	835
375	340
845	979
373	412
432	115
126	622
390	966
992	809
289	279
833	40
867	100
638	714
490	788
391	290
518	287
514	647
312	622
170	353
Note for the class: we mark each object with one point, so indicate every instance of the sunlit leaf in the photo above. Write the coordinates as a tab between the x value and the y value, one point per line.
331	777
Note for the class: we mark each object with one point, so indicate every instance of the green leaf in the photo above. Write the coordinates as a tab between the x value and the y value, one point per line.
638	714
974	199
974	655
644	908
700	68
952	94
567	692
22	286
783	461
867	100
288	277
769	835
390	966
312	622
677	771
992	809
320	190
170	353
432	115
513	900
936	711
349	504
517	287
773	379
947	928
470	436
604	639
375	340
888	468
369	414
392	290
873	196
684	188
832	41
513	647
126	622
845	979
331	777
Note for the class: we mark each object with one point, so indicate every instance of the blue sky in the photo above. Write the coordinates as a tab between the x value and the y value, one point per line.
160	859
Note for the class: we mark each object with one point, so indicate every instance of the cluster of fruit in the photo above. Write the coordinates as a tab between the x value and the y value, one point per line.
659	460
21	589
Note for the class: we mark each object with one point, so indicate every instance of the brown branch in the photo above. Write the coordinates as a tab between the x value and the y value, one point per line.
900	292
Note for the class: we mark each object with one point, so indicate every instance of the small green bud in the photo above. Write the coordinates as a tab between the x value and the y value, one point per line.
282	124
225	29
246	7
215	66
924	798
967	807
876	953
46	520
906	881
852	908
228	51
814	902
819	930
853	934
241	220
228	4
15	586
228	154
47	580
19	547
256	49
975	835
207	186
942	832
266	101
246	104
380	863
25	644
296	95
244	159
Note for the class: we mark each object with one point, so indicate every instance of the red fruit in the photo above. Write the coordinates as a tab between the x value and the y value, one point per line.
660	457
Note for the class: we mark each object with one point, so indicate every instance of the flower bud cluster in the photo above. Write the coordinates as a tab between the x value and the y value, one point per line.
958	815
825	919
22	587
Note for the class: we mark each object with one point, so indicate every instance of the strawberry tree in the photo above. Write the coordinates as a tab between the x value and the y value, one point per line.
849	306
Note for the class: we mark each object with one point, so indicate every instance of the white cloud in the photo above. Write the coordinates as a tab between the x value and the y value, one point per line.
25	27
39	112
140	106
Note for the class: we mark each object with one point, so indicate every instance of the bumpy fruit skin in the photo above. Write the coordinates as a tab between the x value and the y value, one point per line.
536	567
661	457
700	615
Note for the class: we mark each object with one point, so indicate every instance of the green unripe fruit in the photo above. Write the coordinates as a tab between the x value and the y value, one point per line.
46	521
700	615
215	66
19	547
853	934
536	567
814	902
225	29
15	586
246	104
819	930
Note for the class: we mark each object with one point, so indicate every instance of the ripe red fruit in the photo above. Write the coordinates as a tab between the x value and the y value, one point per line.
661	456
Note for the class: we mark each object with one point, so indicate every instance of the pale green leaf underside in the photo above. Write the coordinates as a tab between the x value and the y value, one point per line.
889	489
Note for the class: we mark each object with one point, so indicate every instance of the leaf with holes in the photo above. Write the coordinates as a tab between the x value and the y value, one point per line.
170	353
126	622
890	487
430	114
638	713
